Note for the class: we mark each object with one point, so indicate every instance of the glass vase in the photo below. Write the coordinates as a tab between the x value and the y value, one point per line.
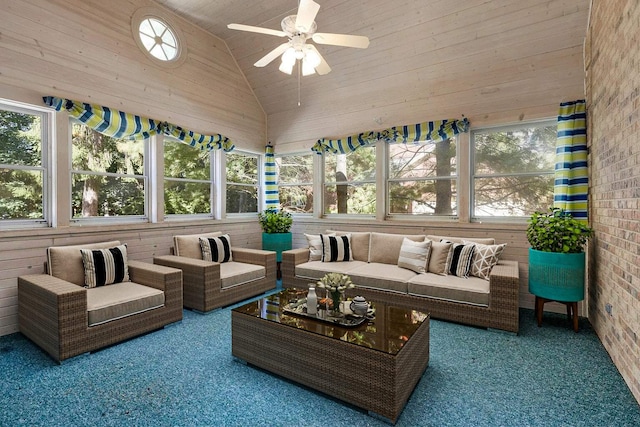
336	301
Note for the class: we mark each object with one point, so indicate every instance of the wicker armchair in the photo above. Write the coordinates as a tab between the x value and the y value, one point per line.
53	308
209	285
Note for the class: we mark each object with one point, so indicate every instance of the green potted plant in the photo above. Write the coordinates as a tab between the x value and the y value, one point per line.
276	231
556	256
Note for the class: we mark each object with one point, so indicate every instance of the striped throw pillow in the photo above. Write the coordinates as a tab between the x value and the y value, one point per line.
414	255
105	266
484	258
216	249
336	248
459	262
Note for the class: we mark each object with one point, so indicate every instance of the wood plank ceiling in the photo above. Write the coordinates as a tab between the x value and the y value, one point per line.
495	61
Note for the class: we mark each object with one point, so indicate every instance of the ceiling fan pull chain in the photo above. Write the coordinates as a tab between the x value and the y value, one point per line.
299	71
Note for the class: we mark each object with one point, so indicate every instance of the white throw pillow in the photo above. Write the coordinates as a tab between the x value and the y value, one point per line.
315	246
414	255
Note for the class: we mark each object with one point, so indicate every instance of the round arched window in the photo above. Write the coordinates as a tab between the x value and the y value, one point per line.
157	37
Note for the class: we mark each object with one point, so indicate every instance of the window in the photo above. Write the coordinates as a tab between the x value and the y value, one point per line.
422	178
350	182
108	175
513	169
23	165
158	36
295	182
242	182
187	179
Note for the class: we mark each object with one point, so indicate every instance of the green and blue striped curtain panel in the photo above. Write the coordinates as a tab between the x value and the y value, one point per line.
118	124
571	174
108	122
418	133
272	197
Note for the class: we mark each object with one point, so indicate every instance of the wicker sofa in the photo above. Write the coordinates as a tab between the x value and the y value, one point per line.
66	319
374	270
209	285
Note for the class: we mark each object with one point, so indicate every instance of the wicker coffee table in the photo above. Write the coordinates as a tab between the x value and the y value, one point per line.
374	366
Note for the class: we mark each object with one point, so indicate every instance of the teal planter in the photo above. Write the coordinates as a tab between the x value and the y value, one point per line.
556	276
277	242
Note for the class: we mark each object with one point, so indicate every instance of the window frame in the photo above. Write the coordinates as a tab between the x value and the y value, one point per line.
46	165
158	14
472	168
259	185
456	179
147	167
298	184
211	182
373	181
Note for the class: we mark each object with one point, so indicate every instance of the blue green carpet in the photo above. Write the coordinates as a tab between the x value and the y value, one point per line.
184	375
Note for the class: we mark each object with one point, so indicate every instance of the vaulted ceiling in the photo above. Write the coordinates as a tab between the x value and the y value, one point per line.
491	60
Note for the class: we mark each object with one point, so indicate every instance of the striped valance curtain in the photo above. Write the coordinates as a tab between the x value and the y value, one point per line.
272	197
571	174
434	131
119	124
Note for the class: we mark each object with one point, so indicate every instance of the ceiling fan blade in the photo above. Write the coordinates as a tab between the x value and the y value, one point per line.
260	30
361	42
272	55
307	12
323	68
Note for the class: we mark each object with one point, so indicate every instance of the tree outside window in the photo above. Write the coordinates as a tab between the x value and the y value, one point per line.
187	182
242	182
108	178
22	164
350	182
513	169
422	178
295	182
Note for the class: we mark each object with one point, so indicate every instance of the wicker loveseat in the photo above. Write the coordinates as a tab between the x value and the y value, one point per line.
66	319
491	303
209	285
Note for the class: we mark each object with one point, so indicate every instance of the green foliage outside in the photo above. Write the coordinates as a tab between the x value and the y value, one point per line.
187	187
557	231
350	182
242	183
101	194
21	189
295	182
274	221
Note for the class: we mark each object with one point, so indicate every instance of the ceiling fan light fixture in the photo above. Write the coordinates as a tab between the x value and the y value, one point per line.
289	57
286	67
312	57
307	68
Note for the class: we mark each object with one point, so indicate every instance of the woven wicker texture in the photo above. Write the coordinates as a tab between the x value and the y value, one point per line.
377	381
202	284
501	313
53	312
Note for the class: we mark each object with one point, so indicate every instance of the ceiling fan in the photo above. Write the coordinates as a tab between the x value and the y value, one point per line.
299	28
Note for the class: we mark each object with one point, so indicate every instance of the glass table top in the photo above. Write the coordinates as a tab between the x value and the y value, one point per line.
387	330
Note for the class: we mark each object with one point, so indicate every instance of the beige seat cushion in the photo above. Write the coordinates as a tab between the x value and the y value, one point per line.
65	262
382	276
235	273
315	270
189	245
385	248
484	241
112	302
359	243
472	290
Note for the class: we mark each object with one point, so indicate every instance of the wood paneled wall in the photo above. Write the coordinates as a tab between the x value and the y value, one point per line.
85	50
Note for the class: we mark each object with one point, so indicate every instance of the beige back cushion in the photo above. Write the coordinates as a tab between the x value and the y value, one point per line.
65	262
385	248
359	244
189	245
484	241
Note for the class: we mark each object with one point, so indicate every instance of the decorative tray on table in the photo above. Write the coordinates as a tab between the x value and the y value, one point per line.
347	319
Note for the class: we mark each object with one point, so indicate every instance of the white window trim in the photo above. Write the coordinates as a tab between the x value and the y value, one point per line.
47	167
259	184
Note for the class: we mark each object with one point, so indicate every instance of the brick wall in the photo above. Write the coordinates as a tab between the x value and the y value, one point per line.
613	105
